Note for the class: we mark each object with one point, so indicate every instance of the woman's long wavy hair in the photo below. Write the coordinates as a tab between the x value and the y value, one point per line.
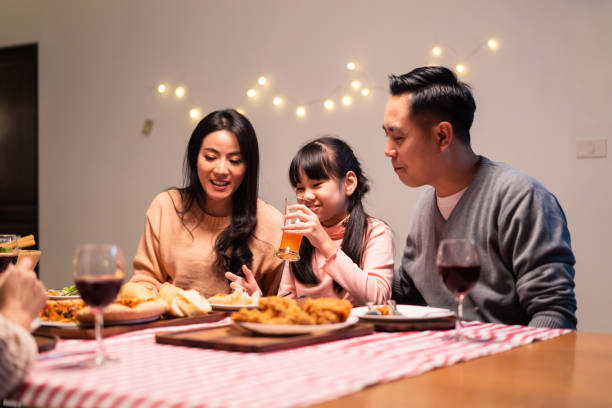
231	246
323	159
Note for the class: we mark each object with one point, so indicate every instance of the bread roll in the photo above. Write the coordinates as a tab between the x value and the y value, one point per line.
134	290
192	303
183	302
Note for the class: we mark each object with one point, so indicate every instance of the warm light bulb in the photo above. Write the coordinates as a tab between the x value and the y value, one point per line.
351	66
356	84
277	101
179	92
262	80
194	113
346	100
328	104
240	111
251	93
460	68
437	51
300	111
492	44
365	91
162	88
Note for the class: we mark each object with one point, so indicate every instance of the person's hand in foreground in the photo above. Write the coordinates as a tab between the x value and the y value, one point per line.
22	295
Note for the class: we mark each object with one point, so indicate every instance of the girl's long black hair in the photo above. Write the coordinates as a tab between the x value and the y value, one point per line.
231	246
322	159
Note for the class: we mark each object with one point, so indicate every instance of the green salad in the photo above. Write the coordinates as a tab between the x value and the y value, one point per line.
69	291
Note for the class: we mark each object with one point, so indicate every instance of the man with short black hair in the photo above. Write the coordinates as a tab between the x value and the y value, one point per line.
527	264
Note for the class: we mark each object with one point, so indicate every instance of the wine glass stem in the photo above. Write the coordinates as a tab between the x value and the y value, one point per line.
458	322
98	324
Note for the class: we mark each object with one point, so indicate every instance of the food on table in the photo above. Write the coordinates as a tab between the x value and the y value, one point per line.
181	303
239	297
327	310
23	242
63	311
384	310
281	310
134	302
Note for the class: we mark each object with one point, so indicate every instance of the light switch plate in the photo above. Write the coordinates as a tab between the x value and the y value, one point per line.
588	149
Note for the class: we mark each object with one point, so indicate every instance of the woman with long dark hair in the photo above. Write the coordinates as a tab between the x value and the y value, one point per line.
345	253
215	223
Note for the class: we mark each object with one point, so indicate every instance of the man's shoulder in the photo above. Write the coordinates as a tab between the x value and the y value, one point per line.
506	179
425	200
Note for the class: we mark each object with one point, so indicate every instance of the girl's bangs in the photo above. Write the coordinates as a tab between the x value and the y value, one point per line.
314	160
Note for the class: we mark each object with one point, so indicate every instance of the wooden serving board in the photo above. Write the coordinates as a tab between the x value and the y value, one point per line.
78	332
433	324
44	342
231	338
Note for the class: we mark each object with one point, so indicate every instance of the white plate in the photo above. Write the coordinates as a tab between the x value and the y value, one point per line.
44	323
288	330
110	323
409	313
231	308
63	297
122	322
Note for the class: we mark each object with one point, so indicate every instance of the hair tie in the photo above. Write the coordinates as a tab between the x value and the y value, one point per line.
345	220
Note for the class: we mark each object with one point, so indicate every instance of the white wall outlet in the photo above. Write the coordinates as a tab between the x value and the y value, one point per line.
588	149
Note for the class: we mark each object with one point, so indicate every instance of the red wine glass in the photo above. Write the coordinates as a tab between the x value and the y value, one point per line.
459	267
98	271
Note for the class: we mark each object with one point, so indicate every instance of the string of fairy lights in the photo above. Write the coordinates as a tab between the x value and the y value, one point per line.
344	95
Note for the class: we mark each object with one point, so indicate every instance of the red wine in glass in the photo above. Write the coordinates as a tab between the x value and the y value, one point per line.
459	279
98	291
98	271
459	267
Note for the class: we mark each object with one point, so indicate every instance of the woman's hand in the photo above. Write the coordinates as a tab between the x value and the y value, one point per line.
22	296
247	284
310	227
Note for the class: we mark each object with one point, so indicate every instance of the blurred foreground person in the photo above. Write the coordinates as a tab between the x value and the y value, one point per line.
22	297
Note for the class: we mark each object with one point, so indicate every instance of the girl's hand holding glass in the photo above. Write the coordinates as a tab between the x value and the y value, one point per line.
310	227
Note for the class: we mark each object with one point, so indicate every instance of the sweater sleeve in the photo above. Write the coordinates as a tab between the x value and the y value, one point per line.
404	289
18	352
372	282
147	268
534	235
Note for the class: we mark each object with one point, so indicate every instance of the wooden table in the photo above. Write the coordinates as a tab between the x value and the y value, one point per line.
574	370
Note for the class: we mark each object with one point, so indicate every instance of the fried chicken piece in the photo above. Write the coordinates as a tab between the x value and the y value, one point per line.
327	310
274	310
280	310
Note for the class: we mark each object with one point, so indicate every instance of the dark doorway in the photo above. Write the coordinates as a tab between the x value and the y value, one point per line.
19	140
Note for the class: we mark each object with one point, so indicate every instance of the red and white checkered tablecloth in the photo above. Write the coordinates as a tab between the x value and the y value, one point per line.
156	375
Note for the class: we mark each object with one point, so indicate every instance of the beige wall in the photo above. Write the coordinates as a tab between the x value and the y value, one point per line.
99	61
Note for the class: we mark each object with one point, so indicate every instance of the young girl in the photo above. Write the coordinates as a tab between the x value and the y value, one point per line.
344	253
216	223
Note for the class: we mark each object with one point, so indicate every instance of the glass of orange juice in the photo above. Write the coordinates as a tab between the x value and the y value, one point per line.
290	243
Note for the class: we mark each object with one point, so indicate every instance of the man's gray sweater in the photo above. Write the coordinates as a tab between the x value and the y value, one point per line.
527	264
